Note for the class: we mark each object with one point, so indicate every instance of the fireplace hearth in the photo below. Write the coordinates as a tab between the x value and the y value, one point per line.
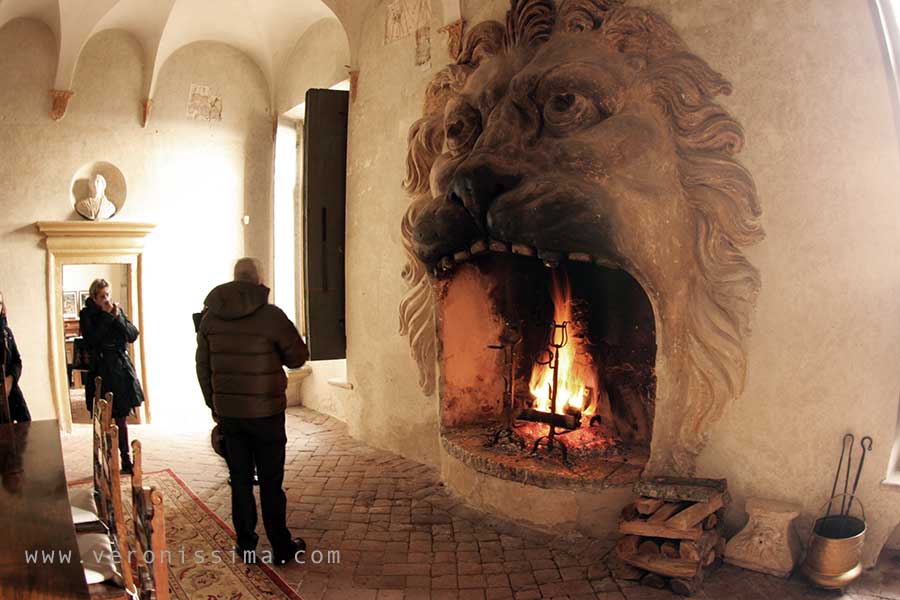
552	364
574	166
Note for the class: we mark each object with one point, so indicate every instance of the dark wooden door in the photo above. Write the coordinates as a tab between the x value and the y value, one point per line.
324	185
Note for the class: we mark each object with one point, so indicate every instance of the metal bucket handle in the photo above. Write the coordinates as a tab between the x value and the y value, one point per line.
853	499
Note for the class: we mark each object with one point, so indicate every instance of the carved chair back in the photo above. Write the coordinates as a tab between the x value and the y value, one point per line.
101	418
149	533
109	504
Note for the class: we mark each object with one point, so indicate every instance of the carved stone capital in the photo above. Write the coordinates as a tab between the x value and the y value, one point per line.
768	543
454	33
59	103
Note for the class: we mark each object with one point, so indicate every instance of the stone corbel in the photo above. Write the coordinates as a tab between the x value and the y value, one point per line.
148	107
454	33
59	103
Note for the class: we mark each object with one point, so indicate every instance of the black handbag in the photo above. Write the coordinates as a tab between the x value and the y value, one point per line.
217	440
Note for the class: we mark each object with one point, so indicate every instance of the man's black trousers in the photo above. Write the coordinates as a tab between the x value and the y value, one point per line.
258	443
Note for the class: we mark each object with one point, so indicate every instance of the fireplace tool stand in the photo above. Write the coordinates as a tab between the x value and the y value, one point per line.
509	341
559	337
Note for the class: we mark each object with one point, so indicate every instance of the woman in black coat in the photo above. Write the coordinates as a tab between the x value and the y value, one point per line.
107	332
12	370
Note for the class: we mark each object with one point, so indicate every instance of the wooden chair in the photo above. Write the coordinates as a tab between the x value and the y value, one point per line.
149	533
106	556
86	508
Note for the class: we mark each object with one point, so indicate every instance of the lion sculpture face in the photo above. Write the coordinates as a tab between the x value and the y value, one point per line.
563	154
588	131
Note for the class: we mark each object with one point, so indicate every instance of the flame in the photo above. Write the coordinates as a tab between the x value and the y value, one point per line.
577	376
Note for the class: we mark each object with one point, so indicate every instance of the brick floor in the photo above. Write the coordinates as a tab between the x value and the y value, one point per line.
402	536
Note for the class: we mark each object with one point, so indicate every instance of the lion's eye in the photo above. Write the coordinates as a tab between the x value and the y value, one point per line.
566	111
461	128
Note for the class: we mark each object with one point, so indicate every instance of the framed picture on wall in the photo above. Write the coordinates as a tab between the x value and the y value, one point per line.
82	296
70	304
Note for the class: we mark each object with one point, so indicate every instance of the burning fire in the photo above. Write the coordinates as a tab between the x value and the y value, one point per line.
577	377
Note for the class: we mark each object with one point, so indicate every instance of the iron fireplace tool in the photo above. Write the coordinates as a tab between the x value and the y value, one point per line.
862	460
559	337
509	340
844	446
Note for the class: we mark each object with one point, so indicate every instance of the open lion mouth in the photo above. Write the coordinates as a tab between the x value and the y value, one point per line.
486	211
550	258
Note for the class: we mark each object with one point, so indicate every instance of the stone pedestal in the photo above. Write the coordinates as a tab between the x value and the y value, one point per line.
768	543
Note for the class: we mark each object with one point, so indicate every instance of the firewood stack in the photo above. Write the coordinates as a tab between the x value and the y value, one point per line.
672	533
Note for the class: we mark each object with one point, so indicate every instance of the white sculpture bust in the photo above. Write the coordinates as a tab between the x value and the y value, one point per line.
97	207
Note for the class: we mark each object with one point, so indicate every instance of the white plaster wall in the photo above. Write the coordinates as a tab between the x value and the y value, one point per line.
193	179
386	407
811	91
319	60
316	393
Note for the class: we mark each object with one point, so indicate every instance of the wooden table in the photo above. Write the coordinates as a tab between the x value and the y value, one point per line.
35	516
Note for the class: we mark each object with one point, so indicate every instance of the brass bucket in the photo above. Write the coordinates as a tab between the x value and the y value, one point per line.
834	553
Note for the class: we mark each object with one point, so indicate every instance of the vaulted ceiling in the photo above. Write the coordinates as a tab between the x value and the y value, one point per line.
266	30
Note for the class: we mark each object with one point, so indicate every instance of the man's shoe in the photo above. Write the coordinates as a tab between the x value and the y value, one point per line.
127	468
297	545
248	557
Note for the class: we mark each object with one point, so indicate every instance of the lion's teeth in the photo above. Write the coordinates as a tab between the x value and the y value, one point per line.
550	255
445	264
523	249
479	247
549	258
462	256
604	262
580	257
497	246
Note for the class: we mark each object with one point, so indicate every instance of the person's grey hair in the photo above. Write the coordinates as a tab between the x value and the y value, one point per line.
96	286
248	269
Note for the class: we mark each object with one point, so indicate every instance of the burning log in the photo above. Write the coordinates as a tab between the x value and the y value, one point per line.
565	421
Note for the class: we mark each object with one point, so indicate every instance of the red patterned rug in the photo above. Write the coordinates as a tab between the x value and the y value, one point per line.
202	563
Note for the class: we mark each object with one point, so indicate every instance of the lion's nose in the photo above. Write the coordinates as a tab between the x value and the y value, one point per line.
477	187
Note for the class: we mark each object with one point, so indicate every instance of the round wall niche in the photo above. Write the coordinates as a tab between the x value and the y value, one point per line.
116	187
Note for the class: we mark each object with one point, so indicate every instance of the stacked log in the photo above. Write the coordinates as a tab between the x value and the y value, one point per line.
672	532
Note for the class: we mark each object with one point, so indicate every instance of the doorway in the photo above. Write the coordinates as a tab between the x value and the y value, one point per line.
94	243
76	283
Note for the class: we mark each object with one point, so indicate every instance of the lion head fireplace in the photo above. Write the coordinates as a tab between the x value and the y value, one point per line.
576	199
